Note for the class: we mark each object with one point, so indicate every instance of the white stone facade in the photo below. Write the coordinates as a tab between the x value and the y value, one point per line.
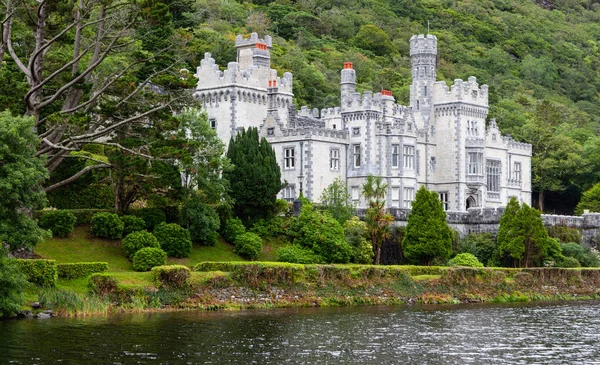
440	140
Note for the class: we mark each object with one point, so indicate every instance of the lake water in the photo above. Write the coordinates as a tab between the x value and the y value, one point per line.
566	333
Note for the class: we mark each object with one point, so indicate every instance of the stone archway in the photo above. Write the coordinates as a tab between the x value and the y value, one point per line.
471	202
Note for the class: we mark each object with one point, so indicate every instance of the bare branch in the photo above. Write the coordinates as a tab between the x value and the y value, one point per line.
82	172
12	52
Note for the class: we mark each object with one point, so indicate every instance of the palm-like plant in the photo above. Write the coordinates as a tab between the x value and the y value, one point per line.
378	221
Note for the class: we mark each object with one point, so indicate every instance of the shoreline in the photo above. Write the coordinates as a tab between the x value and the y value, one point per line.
267	285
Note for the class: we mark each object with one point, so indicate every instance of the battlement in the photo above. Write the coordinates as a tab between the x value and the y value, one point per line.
240	41
210	77
423	44
461	91
514	145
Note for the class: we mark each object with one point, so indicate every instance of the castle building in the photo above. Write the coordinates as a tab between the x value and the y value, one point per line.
440	140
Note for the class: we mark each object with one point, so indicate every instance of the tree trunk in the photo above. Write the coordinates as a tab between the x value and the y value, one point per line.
378	255
541	201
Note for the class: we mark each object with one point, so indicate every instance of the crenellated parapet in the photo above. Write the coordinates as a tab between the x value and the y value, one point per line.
461	92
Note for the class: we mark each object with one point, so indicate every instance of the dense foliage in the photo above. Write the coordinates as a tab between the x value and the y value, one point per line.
522	239
322	234
132	223
248	245
356	233
233	228
590	200
298	255
12	286
428	237
174	276
103	284
107	225
40	272
201	220
148	257
481	245
135	241
337	201
174	239
255	178
21	176
59	222
378	220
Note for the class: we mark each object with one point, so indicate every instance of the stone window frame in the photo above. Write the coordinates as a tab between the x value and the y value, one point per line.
355	193
475	165
395	156
517	173
408	196
289	161
408	156
212	123
395	195
493	172
445	199
334	159
288	193
356	156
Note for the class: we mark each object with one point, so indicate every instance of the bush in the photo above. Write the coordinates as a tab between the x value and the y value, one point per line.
137	240
107	225
39	272
297	255
152	216
174	239
60	222
564	234
356	235
201	220
82	195
80	269
149	257
248	245
272	227
584	255
322	234
465	259
12	285
84	216
568	262
482	245
233	228
131	223
174	276
103	284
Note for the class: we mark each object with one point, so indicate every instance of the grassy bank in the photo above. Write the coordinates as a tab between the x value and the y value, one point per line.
271	285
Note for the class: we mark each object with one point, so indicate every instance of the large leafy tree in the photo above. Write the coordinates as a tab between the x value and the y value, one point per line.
377	219
93	68
428	237
590	200
522	239
255	178
21	176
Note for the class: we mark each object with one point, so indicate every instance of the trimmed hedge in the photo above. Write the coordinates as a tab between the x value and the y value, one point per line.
80	269
107	225
136	241
103	284
40	272
149	257
60	222
173	276
174	239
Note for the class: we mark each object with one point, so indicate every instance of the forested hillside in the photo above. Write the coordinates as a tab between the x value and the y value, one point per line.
539	58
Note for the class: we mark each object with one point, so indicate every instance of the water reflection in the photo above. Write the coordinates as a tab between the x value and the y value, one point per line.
493	334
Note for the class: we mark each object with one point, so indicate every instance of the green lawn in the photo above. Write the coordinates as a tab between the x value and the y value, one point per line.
82	247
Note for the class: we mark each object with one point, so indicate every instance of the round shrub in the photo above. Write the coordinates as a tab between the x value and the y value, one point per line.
465	259
174	239
568	262
152	216
60	222
202	221
248	245
298	255
149	257
107	225
171	276
135	241
132	224
233	228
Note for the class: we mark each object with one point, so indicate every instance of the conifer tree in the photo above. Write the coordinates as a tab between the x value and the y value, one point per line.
522	239
427	236
255	178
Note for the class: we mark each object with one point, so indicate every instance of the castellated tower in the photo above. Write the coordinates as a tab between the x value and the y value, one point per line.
348	81
423	56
